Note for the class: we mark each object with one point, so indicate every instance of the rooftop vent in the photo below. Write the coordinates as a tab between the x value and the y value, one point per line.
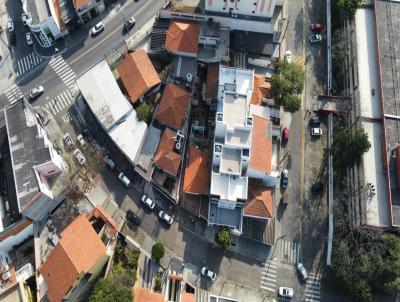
220	116
249	121
218	148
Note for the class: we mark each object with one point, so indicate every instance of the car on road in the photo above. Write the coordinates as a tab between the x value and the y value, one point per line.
302	271
316	27
286	292
288	56
315	121
35	92
284	179
316	132
209	274
125	180
285	134
68	140
109	162
10	25
29	40
132	217
130	23
79	156
315	38
24	18
98	28
81	141
165	217
148	202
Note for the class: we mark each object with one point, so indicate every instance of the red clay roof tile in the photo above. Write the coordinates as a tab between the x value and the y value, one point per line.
261	145
261	89
166	159
145	295
260	201
182	36
197	172
212	81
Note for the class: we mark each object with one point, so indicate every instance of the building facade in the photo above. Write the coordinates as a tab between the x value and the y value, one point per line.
87	9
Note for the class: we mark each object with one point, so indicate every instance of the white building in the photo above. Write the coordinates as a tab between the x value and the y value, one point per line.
112	110
256	9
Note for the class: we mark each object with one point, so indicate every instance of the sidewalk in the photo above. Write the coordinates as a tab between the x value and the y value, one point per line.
6	72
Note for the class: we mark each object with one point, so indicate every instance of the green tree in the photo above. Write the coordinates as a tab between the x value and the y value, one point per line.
157	251
286	84
350	6
144	112
224	238
106	291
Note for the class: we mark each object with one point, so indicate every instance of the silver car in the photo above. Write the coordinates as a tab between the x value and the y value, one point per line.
80	157
166	217
35	92
315	38
99	27
302	271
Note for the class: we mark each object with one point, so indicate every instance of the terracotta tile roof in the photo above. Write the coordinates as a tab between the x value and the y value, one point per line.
80	3
260	201
145	295
138	74
261	145
197	172
78	251
182	36
173	106
212	81
261	89
187	297
166	159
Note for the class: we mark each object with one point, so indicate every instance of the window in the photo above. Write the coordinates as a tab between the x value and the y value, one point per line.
223	8
253	12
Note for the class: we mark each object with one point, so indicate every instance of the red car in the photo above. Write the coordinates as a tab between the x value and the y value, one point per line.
316	27
285	134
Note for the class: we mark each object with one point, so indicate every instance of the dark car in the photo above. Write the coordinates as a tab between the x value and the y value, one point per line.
132	217
284	179
315	121
130	23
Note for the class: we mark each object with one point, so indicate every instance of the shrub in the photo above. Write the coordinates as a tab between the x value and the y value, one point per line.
157	251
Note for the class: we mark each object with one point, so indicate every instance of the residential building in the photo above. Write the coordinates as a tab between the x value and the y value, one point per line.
168	157
138	75
34	162
17	293
197	172
87	9
182	38
173	108
77	259
112	110
145	294
45	20
261	91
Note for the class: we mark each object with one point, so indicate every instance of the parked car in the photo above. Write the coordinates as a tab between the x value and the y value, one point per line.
68	140
209	274
302	271
109	162
288	56
35	92
132	217
285	178
98	28
130	23
315	38
286	292
316	27
165	217
10	25
79	156
125	180
315	121
29	40
316	132
148	202
285	134
24	18
81	141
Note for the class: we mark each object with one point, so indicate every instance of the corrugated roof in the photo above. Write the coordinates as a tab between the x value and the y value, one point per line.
138	74
182	36
166	159
197	172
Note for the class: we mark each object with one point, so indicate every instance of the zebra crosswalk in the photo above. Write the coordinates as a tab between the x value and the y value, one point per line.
60	102
65	72
27	63
13	93
268	275
289	251
313	288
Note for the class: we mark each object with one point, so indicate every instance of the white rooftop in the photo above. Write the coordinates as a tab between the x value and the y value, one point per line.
229	187
241	78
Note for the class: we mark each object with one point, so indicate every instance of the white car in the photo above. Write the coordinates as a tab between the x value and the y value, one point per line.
288	56
130	23
286	292
81	141
35	92
125	180
166	217
316	131
29	38
315	38
10	25
68	140
79	156
148	202
24	18
206	272
302	271
97	28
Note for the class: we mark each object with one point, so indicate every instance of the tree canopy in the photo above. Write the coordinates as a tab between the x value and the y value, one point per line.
286	85
350	6
157	251
144	112
224	238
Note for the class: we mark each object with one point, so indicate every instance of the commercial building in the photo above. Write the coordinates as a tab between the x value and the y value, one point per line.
87	9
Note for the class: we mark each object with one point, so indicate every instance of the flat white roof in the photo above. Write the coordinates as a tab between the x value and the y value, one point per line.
101	92
228	187
377	206
241	78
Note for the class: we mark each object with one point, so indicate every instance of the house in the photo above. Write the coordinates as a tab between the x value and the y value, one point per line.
182	38
87	9
212	83
168	157
112	110
173	107
77	259
34	163
261	90
197	172
145	295
138	75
